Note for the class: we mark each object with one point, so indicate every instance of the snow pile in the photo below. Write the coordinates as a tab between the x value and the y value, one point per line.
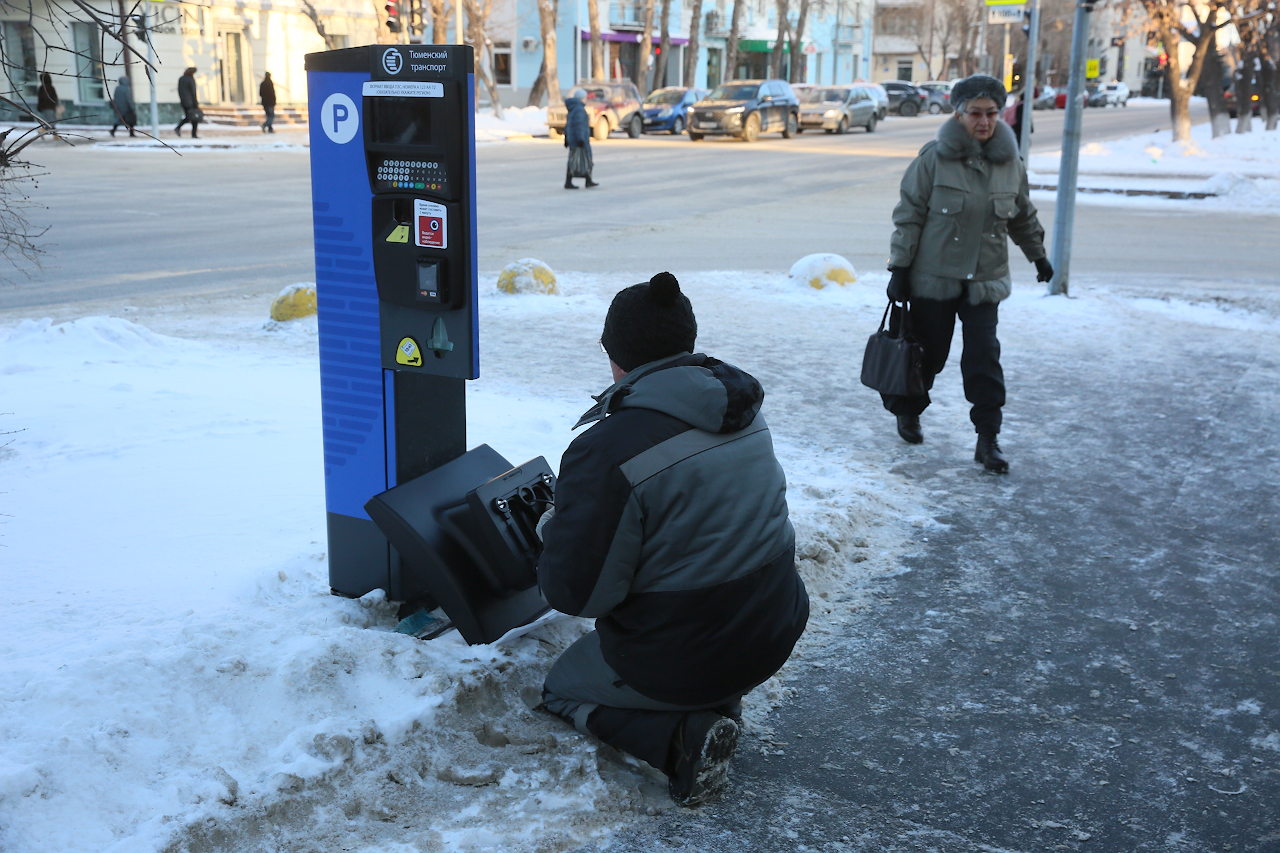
1256	154
516	123
823	270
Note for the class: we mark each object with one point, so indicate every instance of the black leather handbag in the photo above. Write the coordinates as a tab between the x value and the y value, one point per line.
894	364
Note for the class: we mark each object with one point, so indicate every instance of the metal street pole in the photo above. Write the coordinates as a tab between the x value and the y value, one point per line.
1006	72
151	70
457	9
1064	216
1029	80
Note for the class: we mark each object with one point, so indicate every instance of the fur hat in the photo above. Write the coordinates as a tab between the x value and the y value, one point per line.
649	321
977	86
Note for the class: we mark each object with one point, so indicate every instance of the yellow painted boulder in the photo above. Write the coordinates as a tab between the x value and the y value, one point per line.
528	275
294	302
823	270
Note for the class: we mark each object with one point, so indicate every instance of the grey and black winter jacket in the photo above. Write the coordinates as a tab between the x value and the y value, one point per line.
671	528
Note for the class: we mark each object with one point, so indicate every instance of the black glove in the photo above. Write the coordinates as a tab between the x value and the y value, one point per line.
1044	270
899	289
566	142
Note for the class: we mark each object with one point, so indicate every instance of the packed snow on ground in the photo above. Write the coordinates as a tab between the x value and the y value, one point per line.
1242	170
179	676
516	123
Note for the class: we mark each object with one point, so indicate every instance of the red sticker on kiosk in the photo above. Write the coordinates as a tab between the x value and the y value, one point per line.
429	224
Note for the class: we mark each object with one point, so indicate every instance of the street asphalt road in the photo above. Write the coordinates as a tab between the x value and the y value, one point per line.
132	227
1086	659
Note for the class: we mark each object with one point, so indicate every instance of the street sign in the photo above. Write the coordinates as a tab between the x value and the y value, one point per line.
1091	68
1011	14
809	49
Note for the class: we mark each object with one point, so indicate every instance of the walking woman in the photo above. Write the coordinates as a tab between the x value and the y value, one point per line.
577	138
47	99
961	198
126	111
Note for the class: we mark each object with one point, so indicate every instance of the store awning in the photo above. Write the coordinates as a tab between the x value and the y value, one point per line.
762	46
632	38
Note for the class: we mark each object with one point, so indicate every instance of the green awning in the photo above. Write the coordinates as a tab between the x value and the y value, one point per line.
761	46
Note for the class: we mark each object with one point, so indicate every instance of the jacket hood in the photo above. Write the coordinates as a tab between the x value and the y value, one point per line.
574	103
123	81
955	143
703	392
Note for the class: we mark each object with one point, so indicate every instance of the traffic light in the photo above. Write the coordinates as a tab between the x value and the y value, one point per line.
1163	59
1026	22
1088	4
393	17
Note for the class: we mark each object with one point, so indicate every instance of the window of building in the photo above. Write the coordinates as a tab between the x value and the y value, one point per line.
898	21
340	42
19	48
502	63
904	69
88	63
714	58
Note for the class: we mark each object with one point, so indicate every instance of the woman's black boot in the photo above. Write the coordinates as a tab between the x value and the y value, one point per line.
909	429
988	453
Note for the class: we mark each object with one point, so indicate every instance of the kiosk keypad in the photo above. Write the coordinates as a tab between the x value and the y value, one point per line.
395	173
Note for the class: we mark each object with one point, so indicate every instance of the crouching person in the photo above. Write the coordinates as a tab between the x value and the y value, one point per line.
671	529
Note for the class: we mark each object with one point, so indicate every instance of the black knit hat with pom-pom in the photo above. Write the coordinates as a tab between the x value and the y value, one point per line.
649	321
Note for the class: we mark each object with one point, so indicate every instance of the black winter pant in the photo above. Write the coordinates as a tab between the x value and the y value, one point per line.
933	323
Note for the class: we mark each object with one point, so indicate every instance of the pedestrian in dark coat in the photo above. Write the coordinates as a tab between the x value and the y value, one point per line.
47	99
122	103
190	104
670	529
961	199
577	138
267	92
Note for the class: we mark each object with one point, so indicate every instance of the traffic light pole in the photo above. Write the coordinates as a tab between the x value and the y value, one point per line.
151	71
1064	216
1029	81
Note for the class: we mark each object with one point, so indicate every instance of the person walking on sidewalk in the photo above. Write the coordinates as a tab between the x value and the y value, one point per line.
267	92
577	138
190	104
960	200
47	99
125	110
671	529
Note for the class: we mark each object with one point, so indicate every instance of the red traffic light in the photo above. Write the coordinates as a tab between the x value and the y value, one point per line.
393	17
1164	59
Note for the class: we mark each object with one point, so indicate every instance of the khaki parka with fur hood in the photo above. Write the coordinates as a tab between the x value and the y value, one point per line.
959	200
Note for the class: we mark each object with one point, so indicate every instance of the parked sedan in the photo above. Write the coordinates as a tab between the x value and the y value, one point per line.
1114	95
939	96
666	110
610	106
745	109
1046	100
878	96
835	109
904	99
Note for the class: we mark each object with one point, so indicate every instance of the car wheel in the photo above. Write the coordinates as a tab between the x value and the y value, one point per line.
600	130
635	127
677	126
555	133
751	128
871	124
908	109
934	109
695	137
843	127
1125	102
791	127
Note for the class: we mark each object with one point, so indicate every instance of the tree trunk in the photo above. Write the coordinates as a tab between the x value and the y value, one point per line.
539	87
439	22
691	49
645	53
1179	110
1213	75
784	34
797	55
597	43
664	46
550	74
1270	76
731	43
1244	93
477	34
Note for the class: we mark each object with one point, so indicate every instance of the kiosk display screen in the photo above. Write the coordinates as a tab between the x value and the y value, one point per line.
401	121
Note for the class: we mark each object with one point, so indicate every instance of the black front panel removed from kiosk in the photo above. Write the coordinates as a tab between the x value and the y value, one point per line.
393	191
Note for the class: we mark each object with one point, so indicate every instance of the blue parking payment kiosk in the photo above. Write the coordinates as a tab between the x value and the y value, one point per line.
393	197
393	188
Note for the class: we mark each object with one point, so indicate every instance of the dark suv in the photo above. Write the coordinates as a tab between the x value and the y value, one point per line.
611	105
745	109
904	99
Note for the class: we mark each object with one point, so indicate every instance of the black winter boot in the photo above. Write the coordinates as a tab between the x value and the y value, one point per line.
988	453
909	429
569	185
700	752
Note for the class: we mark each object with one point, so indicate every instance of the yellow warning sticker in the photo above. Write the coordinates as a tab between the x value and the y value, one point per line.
399	234
408	353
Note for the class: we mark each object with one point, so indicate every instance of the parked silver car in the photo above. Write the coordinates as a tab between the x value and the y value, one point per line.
835	109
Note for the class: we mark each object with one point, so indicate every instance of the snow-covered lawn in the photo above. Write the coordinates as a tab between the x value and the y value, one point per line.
1241	170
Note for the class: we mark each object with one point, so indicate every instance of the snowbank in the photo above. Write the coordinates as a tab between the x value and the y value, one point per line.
516	123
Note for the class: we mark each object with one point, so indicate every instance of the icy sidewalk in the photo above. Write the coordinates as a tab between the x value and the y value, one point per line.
1235	172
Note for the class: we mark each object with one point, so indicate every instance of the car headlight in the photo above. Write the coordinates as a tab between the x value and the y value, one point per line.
732	111
832	113
689	109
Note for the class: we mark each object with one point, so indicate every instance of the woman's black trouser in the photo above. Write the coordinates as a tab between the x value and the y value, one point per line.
933	322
